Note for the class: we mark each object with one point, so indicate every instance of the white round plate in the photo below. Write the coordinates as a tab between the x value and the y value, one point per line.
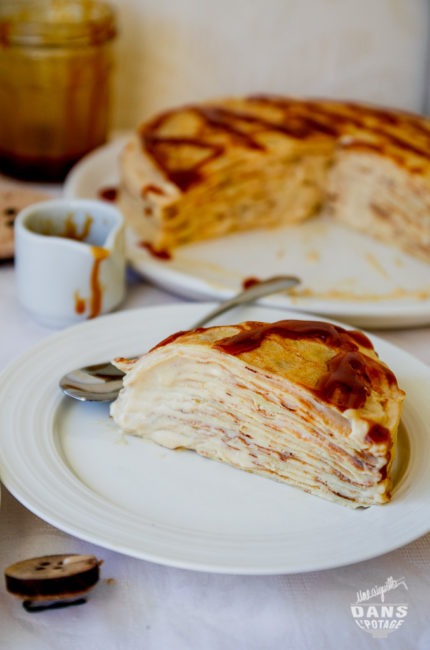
345	275
69	464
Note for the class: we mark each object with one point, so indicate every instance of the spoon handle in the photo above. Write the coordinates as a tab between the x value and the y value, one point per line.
102	382
258	290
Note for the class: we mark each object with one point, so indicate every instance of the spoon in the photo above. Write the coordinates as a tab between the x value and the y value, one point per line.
102	382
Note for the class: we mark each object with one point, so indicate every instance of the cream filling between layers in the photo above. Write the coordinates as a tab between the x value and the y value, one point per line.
372	194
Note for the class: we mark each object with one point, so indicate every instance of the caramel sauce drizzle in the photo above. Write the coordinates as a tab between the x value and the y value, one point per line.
349	376
378	435
46	227
161	254
295	119
333	335
158	148
80	303
171	338
151	188
96	291
108	194
250	282
350	372
96	298
71	230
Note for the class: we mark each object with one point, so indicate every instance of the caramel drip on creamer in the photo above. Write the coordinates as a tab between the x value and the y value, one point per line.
80	303
71	230
99	254
48	227
95	299
395	134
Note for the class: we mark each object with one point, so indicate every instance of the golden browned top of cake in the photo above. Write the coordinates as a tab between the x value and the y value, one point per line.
340	367
186	144
204	170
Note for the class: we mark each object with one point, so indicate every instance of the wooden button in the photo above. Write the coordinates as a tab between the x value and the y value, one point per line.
52	577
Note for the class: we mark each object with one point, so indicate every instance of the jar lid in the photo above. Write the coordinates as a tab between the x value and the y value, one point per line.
57	23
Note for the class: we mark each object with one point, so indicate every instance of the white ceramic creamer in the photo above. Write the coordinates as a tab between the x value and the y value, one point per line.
69	259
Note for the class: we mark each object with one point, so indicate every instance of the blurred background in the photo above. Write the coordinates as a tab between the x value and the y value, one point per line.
56	76
174	51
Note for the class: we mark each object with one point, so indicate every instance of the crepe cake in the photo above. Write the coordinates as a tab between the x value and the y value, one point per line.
304	402
204	170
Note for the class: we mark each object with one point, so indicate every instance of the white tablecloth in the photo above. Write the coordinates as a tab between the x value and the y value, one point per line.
140	605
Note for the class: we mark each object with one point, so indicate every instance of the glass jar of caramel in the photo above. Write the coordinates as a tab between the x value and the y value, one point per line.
55	75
